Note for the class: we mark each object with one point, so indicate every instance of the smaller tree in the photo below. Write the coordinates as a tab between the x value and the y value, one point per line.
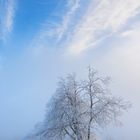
78	108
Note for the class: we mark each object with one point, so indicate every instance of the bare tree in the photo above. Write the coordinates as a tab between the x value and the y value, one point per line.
78	108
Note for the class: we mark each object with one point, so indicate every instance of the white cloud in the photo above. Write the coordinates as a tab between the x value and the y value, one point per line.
56	30
7	17
97	21
108	17
127	33
62	29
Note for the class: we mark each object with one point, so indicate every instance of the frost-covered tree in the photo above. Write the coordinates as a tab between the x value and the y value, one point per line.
78	108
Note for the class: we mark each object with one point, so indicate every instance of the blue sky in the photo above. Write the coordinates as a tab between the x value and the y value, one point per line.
41	40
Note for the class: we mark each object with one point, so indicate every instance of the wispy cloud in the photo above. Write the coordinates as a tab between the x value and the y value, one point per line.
7	13
62	28
53	30
82	27
106	18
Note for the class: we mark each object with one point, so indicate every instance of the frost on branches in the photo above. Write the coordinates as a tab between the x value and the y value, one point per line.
78	108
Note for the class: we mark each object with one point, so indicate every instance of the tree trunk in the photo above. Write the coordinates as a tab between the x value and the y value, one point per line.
89	125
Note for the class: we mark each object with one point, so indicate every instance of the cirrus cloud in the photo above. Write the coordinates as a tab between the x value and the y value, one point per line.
83	27
7	10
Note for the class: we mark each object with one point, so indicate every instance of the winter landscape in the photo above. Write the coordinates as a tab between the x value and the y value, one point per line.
69	69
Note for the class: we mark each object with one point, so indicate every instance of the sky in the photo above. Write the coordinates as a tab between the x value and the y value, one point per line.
42	40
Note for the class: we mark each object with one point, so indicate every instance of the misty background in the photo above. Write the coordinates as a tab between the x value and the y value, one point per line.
43	40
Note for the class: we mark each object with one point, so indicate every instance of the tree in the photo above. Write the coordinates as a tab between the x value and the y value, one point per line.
78	108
